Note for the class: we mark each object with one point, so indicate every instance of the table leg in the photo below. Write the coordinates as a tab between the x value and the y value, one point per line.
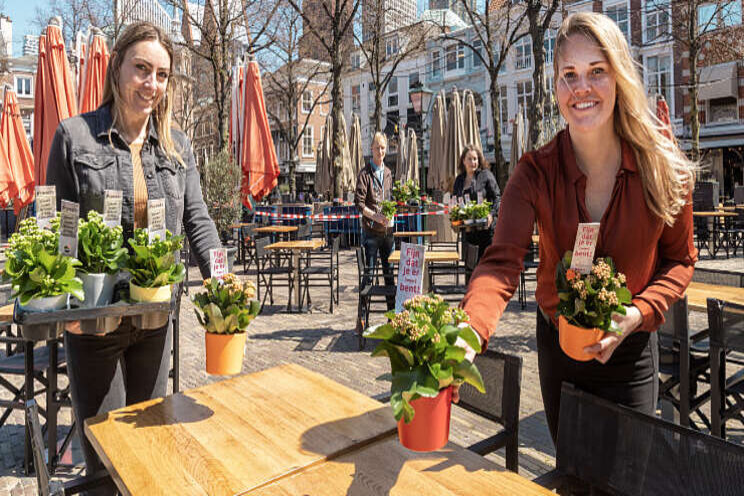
296	275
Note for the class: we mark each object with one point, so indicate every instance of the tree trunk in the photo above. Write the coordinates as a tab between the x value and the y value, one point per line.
537	106
378	109
293	175
335	111
693	53
501	170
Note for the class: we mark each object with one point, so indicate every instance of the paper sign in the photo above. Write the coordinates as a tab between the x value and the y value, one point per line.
410	273
156	218
584	246
460	201
480	197
467	198
68	228
218	262
46	205
112	200
350	196
447	198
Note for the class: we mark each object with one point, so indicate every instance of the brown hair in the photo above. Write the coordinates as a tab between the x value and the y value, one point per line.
482	164
162	113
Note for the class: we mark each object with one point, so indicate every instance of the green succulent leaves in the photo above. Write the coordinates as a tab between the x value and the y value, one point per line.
420	344
34	267
100	247
226	305
470	210
153	265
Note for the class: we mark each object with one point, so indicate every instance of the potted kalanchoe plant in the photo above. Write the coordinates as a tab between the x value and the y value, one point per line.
586	303
456	215
153	266
41	278
426	361
406	193
225	310
102	257
389	210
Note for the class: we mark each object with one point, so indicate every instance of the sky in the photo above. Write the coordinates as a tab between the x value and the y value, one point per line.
21	12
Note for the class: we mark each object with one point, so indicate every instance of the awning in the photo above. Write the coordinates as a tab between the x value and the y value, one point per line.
718	81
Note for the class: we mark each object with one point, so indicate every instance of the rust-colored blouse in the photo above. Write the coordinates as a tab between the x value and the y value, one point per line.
548	187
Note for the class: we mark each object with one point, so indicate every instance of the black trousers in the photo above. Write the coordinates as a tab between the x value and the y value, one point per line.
630	377
481	239
382	244
108	372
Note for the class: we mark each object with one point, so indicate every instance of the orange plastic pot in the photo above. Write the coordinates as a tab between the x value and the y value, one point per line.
429	429
225	353
456	223
574	339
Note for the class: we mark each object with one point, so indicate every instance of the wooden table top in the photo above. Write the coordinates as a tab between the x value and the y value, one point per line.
698	294
411	234
385	467
240	225
231	436
275	229
430	256
6	313
715	214
304	244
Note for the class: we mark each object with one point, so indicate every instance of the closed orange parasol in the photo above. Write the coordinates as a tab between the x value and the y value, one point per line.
258	155
18	150
55	96
82	52
7	184
95	73
662	113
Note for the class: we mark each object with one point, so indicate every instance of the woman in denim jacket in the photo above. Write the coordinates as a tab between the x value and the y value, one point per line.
128	145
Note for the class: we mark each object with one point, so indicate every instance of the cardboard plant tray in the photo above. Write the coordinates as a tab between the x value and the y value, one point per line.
477	225
40	326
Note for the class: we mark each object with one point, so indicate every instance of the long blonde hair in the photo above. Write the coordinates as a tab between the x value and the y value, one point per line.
162	113
666	173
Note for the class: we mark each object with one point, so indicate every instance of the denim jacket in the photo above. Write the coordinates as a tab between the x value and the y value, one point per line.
83	164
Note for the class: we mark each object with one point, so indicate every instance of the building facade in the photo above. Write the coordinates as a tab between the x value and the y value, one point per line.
396	14
30	45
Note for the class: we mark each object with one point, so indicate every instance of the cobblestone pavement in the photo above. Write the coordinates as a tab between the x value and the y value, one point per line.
326	343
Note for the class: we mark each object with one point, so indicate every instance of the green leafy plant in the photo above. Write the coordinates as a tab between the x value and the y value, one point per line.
403	192
388	209
100	247
478	210
456	213
589	300
420	343
154	264
226	306
220	178
34	267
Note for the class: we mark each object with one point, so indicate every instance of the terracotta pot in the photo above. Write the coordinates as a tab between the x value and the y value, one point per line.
225	353
429	429
574	339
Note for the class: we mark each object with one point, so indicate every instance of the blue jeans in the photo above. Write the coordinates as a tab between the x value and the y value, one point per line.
109	372
372	244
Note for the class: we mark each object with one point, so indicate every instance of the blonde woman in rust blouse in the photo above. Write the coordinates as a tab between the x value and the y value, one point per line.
612	164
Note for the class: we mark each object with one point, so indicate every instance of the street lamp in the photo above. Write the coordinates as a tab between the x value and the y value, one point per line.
420	97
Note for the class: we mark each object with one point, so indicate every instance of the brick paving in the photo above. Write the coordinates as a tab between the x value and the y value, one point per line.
326	343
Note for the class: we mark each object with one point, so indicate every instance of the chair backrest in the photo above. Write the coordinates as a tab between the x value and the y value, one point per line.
261	244
248	231
719	276
303	231
335	246
623	451
502	376
471	257
45	485
726	325
739	195
676	321
360	264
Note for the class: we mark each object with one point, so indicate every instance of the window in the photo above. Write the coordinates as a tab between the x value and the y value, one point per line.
722	110
659	76
436	63
656	17
413	79
477	49
523	53
719	15
504	110
496	55
619	14
355	99
391	46
356	60
549	45
393	92
524	97
307	142
455	56
307	102
23	86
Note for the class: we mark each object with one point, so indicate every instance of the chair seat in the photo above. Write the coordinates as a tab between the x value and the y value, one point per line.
443	289
315	270
378	291
276	270
14	364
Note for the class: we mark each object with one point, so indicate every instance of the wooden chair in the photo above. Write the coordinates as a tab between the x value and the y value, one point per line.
502	375
271	273
613	449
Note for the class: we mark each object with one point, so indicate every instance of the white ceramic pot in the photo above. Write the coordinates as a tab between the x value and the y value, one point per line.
46	303
137	293
98	289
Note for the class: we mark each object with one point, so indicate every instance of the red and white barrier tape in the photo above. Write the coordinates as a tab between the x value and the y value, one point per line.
328	217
